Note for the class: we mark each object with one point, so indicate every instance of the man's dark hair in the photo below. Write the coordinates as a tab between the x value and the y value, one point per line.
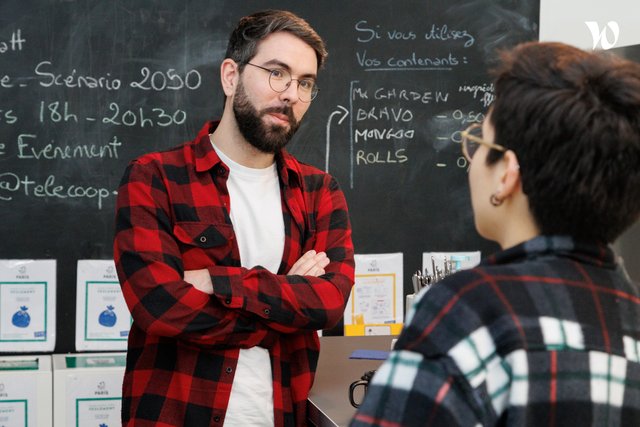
573	120
244	39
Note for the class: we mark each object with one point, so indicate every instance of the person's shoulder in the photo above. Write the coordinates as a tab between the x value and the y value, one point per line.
481	288
453	309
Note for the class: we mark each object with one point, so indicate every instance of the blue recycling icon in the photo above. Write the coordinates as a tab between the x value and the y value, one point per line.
21	318
108	317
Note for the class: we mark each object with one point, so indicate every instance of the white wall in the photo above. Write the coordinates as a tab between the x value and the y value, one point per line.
564	21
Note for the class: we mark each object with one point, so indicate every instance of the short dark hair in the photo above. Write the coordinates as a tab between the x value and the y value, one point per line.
244	39
573	119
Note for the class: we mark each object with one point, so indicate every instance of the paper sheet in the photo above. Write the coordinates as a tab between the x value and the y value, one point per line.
375	306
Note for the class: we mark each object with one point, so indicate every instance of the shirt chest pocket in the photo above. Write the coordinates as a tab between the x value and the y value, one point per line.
203	244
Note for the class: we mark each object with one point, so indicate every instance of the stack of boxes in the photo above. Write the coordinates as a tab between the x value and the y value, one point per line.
60	390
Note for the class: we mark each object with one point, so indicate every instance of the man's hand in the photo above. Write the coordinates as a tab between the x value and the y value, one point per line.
310	264
200	279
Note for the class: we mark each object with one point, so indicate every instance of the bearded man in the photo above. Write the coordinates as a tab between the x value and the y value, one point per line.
231	254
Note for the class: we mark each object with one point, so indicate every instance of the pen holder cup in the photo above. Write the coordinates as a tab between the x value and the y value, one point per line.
408	304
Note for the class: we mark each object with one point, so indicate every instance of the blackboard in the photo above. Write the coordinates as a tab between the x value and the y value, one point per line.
85	86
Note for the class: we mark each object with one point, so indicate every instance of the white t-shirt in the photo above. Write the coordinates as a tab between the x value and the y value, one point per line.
256	214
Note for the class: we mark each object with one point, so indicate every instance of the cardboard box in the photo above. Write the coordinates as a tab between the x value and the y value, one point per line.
102	317
25	391
87	389
27	305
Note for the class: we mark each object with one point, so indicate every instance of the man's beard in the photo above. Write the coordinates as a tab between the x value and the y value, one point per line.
266	138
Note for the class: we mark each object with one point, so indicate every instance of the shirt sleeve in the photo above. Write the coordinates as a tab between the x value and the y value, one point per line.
151	272
444	369
411	390
290	303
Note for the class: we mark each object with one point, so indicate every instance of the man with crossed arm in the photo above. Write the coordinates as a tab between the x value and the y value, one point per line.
230	252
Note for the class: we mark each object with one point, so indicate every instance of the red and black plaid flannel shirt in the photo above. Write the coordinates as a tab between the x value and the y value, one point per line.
173	215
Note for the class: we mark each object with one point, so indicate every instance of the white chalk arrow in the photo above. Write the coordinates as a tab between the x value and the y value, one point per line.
340	112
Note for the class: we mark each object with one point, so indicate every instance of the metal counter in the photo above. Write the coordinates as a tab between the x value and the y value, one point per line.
328	404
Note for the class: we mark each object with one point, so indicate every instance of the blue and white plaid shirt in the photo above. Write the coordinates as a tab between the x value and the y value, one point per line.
546	333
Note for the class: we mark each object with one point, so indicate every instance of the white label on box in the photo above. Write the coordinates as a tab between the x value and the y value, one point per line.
13	413
18	398
98	412
16	386
92	394
23	311
106	314
27	305
102	316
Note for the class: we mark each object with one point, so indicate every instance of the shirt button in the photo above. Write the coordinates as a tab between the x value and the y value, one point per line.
203	239
229	370
221	171
227	301
267	311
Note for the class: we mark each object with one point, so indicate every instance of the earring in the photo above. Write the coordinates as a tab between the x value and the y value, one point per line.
495	200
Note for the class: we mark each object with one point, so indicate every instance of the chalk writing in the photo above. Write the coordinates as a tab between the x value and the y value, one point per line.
386	93
142	118
484	90
412	61
384	113
57	112
443	33
14	44
73	79
467	117
366	33
5	81
161	80
383	134
54	114
440	33
398	130
424	97
381	157
8	117
12	184
51	151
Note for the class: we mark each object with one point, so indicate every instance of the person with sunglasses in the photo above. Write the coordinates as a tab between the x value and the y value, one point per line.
545	332
231	253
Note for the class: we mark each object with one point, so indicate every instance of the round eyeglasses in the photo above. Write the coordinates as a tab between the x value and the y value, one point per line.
280	80
472	140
